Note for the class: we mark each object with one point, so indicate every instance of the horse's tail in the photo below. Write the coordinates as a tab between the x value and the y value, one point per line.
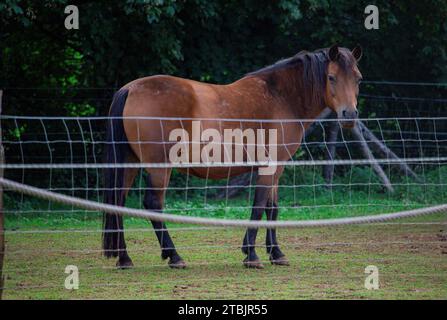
116	151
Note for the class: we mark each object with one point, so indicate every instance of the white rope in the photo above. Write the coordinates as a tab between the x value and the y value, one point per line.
91	205
218	164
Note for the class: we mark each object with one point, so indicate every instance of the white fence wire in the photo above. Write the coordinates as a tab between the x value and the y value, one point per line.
406	152
327	182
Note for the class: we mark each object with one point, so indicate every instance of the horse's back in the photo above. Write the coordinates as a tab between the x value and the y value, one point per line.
160	96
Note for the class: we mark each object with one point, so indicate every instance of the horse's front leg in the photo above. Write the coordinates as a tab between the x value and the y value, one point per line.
153	201
275	255
248	247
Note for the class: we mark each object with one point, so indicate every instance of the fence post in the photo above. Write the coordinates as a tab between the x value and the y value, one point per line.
2	221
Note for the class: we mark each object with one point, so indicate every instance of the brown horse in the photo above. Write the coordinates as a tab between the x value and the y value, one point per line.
296	88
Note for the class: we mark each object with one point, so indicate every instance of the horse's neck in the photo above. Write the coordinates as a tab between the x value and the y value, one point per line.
294	94
315	112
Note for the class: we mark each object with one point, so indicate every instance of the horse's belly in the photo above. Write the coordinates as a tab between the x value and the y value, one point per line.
216	173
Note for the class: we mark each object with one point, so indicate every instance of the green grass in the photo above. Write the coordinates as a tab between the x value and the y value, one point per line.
326	263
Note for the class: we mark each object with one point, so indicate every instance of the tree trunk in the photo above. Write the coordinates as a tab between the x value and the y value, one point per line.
236	185
368	155
381	148
332	132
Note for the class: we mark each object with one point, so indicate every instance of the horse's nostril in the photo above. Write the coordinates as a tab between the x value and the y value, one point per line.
344	113
356	113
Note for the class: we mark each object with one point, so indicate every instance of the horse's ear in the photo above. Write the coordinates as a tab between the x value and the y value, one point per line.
333	52
357	52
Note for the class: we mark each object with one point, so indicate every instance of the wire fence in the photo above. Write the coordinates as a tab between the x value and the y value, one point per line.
409	152
391	164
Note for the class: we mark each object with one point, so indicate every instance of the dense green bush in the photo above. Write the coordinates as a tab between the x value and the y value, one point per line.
215	41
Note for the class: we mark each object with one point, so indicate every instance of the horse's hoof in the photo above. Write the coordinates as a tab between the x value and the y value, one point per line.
177	263
124	264
253	264
280	261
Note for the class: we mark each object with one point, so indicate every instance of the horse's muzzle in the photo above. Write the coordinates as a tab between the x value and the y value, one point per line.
348	117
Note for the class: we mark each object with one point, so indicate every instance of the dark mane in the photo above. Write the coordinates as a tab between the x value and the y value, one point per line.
304	74
300	57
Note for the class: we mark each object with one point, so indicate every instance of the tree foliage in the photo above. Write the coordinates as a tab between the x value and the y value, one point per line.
211	40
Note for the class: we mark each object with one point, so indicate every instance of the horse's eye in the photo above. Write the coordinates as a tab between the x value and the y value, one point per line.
332	78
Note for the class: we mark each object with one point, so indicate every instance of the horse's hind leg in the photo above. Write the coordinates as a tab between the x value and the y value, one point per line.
153	200
124	261
275	255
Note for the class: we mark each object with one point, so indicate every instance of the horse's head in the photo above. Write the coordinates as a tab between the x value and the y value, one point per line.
342	83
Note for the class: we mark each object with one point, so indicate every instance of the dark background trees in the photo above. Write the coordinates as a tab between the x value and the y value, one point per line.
215	41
